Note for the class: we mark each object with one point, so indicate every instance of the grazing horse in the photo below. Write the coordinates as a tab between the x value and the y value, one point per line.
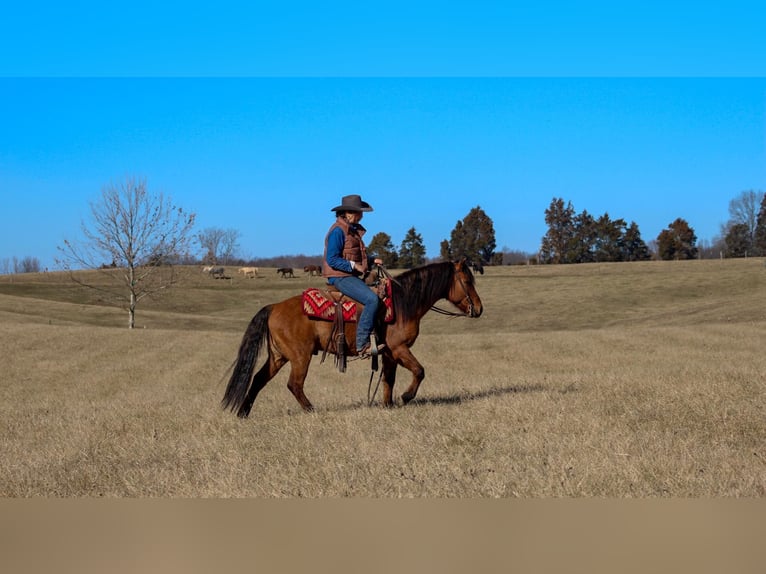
289	336
251	272
286	272
214	271
313	270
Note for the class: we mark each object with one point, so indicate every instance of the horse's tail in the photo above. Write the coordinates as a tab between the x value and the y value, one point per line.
256	335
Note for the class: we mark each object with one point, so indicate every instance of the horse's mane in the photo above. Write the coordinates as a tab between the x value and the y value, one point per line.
415	290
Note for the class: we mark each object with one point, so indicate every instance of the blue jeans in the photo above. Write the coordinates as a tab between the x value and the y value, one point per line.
355	288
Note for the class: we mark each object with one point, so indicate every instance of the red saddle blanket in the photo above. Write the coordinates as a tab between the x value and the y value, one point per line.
321	305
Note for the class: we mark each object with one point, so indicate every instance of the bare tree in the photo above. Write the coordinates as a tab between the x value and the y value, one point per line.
132	237
218	245
29	264
743	210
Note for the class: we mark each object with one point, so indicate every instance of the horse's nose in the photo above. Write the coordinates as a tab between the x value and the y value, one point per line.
477	310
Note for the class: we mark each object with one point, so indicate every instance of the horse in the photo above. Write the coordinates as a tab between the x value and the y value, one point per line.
251	272
286	272
290	336
313	270
214	271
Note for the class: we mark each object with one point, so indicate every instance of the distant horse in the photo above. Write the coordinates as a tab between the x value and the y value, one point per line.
286	272
289	336
214	271
251	272
313	270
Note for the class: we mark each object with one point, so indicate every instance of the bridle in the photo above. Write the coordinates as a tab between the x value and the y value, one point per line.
383	272
467	296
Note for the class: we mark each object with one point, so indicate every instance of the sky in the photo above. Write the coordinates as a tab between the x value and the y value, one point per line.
259	119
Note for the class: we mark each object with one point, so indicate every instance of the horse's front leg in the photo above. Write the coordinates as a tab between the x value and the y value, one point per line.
298	371
389	379
409	362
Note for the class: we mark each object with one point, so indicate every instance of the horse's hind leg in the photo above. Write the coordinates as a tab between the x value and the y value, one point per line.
264	375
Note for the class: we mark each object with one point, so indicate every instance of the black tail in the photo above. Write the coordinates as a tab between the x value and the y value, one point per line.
256	335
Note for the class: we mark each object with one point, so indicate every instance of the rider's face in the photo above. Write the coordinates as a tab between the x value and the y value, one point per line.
354	216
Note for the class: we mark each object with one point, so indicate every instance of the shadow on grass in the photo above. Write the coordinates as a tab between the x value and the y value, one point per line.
451	399
456	399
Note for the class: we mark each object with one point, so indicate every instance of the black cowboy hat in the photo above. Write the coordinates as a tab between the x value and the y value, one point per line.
352	203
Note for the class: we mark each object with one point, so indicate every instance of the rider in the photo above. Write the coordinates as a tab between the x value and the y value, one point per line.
346	264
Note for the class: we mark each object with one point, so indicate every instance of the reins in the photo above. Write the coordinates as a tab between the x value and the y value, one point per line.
371	397
382	271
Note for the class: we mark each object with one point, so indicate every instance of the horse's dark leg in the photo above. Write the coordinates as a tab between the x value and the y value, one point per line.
298	371
389	379
263	376
409	362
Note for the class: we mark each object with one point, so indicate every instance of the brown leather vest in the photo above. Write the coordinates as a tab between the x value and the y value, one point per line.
353	249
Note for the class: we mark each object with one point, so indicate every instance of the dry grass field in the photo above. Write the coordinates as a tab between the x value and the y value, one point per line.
608	380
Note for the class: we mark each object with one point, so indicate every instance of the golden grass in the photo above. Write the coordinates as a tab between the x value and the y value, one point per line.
609	380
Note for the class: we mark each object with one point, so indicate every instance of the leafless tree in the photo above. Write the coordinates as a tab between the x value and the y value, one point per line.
743	210
29	264
218	245
132	237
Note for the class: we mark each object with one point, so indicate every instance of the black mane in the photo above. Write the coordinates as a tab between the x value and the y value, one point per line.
415	290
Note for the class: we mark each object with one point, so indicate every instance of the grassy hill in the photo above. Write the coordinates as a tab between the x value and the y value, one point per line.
623	380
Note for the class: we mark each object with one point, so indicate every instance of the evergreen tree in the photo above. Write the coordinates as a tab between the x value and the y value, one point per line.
480	235
473	238
634	248
759	247
458	244
382	246
582	238
678	241
412	252
610	239
445	253
582	245
738	242
560	236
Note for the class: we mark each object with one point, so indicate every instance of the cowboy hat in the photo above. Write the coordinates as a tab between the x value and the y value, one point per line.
352	203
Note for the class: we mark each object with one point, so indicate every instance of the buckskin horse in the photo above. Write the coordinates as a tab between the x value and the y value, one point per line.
289	336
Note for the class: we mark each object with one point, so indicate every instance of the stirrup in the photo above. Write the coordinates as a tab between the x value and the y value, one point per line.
371	349
374	348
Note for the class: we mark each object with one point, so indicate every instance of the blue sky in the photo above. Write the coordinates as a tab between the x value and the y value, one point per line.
260	120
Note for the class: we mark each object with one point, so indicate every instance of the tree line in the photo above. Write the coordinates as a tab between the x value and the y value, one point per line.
583	238
26	264
571	237
137	237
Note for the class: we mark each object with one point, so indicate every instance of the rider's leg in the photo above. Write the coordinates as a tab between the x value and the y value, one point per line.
355	288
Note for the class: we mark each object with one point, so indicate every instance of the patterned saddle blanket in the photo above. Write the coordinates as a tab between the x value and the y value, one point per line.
321	304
